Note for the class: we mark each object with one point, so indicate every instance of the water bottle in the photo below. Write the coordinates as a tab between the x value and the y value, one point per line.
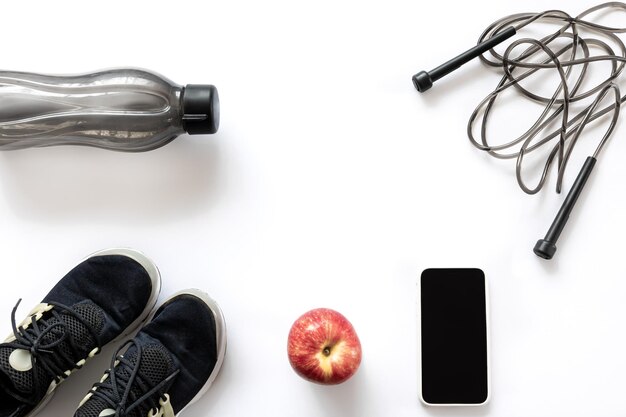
119	109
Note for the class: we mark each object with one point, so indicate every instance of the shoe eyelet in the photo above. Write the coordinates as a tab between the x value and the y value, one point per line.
162	402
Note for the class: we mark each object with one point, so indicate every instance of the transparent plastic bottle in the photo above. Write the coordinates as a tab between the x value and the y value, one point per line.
119	109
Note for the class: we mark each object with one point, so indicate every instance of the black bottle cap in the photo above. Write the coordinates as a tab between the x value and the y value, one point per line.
201	109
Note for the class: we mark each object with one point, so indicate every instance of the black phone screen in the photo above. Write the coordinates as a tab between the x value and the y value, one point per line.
454	336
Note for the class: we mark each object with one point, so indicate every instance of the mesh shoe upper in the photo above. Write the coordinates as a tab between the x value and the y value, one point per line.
50	348
184	328
187	328
154	365
93	304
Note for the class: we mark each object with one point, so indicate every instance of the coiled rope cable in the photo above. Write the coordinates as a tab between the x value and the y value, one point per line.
557	108
567	52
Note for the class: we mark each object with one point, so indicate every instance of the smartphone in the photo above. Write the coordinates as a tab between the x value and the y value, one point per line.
454	337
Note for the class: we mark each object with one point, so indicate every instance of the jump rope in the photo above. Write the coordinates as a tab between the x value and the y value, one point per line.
577	42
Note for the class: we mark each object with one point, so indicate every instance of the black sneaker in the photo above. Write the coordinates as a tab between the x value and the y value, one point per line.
103	298
169	365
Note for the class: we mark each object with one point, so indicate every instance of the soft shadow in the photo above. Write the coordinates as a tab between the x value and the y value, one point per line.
470	411
70	184
346	399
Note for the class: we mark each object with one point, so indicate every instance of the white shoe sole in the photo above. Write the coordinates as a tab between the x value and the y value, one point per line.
155	277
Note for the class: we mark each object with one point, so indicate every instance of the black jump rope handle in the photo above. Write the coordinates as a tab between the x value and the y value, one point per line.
424	80
546	247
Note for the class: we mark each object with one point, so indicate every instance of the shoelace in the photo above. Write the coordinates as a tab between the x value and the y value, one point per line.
116	390
18	412
46	354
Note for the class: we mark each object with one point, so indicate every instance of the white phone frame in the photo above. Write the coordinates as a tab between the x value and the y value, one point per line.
419	343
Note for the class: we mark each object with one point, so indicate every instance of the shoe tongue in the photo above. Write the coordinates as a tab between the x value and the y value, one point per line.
156	365
27	383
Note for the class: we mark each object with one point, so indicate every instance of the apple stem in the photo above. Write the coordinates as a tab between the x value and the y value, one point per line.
326	351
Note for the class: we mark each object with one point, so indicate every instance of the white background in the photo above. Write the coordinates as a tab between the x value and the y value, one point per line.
332	183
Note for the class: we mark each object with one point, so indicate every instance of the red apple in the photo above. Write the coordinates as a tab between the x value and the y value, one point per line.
323	347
